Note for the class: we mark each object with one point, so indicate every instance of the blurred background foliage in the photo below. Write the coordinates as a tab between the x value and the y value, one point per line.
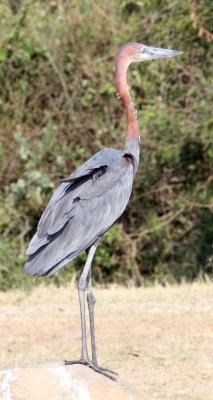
58	107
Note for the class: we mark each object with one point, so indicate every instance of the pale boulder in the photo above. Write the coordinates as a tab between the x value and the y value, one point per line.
56	381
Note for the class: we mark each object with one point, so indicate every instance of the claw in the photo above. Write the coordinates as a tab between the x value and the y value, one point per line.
95	368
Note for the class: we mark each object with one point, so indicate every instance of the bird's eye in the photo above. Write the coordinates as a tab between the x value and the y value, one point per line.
142	50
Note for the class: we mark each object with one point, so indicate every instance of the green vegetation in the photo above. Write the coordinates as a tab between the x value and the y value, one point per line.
58	107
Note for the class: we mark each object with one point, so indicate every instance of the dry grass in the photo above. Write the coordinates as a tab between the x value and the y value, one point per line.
159	339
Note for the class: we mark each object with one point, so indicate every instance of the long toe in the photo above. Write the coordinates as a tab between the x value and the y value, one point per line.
96	368
102	371
107	370
83	362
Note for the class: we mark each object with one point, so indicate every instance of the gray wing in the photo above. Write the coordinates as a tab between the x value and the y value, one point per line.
81	210
103	157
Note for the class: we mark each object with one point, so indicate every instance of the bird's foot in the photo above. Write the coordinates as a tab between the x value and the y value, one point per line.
95	367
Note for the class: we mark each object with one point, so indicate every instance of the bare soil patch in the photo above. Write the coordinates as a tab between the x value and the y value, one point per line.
158	339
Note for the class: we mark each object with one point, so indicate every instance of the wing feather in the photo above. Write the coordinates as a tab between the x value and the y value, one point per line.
79	215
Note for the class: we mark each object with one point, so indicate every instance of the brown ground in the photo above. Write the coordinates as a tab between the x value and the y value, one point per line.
159	339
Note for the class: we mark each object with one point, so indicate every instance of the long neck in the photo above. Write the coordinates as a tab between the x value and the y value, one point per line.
132	129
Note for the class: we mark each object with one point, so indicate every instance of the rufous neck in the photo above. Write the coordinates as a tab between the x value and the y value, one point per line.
132	130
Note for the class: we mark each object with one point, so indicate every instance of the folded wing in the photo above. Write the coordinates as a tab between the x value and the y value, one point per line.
84	206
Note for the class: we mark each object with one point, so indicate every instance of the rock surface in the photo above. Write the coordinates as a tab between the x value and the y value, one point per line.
56	381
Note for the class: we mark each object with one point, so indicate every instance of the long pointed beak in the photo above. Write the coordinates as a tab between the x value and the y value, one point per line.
154	52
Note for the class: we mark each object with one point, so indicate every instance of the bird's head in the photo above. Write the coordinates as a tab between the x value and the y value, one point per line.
137	52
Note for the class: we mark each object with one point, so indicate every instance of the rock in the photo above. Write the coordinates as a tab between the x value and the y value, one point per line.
56	381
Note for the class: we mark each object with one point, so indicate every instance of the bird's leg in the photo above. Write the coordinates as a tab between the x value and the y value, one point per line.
82	284
81	291
91	303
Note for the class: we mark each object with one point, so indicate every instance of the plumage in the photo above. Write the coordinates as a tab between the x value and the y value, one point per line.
89	201
84	206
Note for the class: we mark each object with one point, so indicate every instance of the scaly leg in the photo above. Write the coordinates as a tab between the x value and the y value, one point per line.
91	303
81	291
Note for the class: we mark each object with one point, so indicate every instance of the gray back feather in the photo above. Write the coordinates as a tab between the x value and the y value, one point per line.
84	206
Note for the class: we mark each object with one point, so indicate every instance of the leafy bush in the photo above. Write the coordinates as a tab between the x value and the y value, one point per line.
58	107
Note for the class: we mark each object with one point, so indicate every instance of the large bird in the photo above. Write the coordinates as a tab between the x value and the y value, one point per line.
90	200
